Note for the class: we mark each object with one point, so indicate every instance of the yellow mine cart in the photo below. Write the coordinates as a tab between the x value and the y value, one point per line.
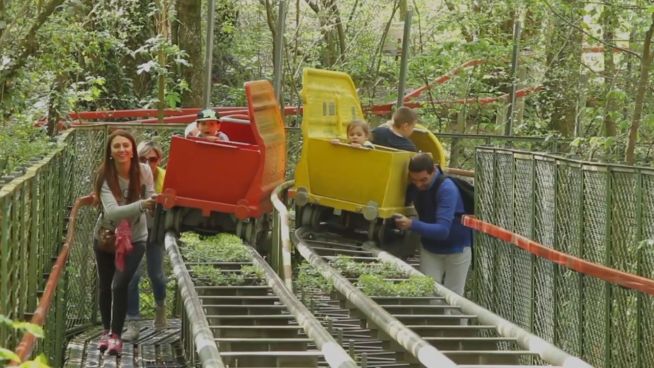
371	182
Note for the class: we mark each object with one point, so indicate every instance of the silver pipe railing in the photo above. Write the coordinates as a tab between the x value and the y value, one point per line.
334	354
547	351
420	349
203	339
282	246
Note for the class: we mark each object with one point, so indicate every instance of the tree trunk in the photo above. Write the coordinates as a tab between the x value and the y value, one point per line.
562	78
55	104
643	83
609	23
188	36
272	26
3	16
332	31
340	31
404	7
163	29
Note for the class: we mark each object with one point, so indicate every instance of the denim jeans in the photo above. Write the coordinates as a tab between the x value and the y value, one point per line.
112	285
154	254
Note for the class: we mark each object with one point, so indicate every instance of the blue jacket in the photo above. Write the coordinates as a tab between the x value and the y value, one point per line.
439	217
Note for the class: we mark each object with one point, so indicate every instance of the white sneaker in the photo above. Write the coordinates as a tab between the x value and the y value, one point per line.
132	331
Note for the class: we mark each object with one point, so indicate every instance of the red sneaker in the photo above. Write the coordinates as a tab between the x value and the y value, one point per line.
103	343
115	345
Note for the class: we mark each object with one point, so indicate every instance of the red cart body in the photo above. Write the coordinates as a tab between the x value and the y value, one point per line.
234	177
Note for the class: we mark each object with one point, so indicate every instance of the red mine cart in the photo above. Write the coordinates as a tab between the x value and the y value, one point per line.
225	186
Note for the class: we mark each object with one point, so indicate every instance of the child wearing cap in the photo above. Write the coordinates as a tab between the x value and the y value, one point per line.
207	126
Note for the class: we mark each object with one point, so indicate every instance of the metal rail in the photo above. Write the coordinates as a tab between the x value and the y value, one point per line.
282	247
420	349
202	337
441	321
333	352
547	351
257	321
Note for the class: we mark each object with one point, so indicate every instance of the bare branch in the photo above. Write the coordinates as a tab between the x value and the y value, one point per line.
313	6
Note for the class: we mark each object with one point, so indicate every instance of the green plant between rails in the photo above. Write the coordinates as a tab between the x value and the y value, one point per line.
349	267
310	280
413	286
223	247
210	275
383	279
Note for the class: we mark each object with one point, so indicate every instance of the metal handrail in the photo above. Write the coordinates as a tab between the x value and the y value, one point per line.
608	274
203	338
284	247
334	354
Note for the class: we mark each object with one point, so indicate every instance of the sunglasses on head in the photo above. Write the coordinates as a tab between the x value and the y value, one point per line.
149	159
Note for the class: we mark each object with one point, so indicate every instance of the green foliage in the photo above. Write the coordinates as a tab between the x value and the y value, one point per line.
381	279
352	268
147	303
379	286
155	50
309	279
252	271
224	247
213	276
7	355
20	142
208	275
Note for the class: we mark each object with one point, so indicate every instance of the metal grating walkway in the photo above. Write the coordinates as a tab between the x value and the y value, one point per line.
153	349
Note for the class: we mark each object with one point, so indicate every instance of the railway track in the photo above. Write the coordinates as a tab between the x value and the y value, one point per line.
254	321
421	330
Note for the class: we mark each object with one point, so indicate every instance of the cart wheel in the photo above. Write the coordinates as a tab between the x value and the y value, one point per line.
316	216
305	215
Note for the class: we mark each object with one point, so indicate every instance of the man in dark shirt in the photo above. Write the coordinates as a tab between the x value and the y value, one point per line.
445	254
396	133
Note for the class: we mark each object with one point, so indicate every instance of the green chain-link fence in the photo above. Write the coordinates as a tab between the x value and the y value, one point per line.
460	148
602	213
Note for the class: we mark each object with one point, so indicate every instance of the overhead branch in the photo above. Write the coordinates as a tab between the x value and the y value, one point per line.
28	46
313	6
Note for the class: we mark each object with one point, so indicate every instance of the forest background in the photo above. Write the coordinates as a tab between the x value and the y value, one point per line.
589	62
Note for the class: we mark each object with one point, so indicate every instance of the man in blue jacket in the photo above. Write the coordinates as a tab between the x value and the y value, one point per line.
445	254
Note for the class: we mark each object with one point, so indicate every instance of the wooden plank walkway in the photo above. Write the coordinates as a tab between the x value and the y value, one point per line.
153	349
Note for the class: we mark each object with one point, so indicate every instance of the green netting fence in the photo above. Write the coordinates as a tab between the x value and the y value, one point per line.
599	212
34	207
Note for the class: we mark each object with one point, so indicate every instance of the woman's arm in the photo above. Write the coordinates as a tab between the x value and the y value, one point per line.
115	212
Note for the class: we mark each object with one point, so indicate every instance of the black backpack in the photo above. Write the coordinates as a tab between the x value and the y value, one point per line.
466	189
